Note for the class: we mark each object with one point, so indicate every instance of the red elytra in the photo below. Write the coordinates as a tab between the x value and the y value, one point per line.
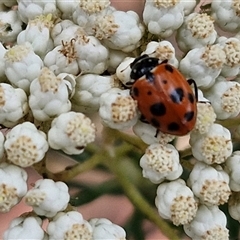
164	97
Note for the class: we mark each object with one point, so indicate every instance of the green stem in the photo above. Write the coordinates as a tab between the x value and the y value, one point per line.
229	122
138	200
79	168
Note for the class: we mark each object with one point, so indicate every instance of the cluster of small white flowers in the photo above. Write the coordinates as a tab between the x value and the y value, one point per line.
60	61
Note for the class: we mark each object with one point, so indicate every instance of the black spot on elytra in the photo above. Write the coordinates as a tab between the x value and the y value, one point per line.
135	92
164	81
188	116
190	97
177	95
155	123
149	93
169	68
158	109
173	126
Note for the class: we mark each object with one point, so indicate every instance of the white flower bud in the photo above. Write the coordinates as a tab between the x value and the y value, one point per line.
203	64
48	197
124	69
161	162
71	132
37	33
25	145
22	65
231	47
188	6
13	186
67	8
234	205
214	146
65	31
117	109
162	50
48	96
89	88
29	10
105	229
196	31
3	50
70	225
232	167
226	14
210	185
148	134
13	105
63	59
162	18
93	56
25	228
87	11
209	223
10	26
175	201
119	30
225	98
205	114
115	58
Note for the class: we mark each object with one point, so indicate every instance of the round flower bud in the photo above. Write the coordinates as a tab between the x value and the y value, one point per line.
13	185
87	12
10	26
210	185
161	162
123	71
162	18
231	47
225	98
148	134
89	88
13	105
22	57
226	14
71	132
119	30
3	51
105	229
30	10
25	145
93	56
117	109
196	31
63	59
48	197
48	96
25	228
234	206
205	114
69	225
232	167
203	64
209	223
214	146
162	50
115	58
175	201
37	33
67	8
65	31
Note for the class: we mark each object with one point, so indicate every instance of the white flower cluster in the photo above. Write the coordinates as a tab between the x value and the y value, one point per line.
62	61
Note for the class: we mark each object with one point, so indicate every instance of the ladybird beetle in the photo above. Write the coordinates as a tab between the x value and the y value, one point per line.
164	97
